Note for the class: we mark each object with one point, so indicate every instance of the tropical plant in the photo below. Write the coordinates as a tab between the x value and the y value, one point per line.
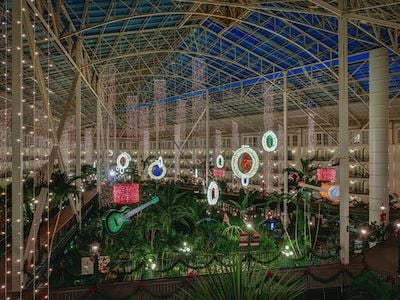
244	202
237	283
61	187
306	173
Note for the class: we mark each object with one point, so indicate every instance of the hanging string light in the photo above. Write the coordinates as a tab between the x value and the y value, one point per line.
4	157
235	143
198	103
311	130
36	178
179	134
48	198
268	125
131	120
89	150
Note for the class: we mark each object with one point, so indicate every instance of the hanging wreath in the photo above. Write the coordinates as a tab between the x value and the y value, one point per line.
269	141
245	162
123	161
212	193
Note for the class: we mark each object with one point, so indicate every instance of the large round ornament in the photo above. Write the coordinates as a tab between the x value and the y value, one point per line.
220	161
123	161
248	165
212	193
269	141
157	170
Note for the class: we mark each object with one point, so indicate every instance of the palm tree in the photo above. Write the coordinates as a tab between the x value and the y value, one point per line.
237	284
244	202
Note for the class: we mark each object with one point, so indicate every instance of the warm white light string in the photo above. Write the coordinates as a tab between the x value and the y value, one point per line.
4	143
47	285
35	177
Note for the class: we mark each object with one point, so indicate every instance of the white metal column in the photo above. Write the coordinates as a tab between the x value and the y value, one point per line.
17	151
285	148
343	133
378	133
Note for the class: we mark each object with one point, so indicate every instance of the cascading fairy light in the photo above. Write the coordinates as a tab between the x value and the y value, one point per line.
144	134
131	120
160	92
235	144
177	145
89	150
47	245
198	103
280	157
268	125
38	129
4	128
107	74
311	138
66	142
179	134
217	145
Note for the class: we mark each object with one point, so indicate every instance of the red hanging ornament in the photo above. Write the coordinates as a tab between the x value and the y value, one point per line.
246	163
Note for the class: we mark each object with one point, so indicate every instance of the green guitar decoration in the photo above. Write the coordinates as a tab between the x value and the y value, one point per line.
115	219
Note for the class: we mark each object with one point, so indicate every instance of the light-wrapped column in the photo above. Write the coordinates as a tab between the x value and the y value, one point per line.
268	125
66	142
132	120
235	141
144	135
89	150
198	104
235	144
177	145
160	93
280	157
218	143
311	138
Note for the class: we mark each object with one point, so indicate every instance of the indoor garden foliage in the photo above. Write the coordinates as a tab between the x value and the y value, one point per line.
183	235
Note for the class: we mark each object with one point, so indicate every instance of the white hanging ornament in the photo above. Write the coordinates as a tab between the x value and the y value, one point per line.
212	193
245	181
157	170
123	161
255	162
269	141
220	161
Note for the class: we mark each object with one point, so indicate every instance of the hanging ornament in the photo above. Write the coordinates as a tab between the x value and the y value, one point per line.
157	170
220	161
212	193
123	161
249	163
245	181
269	141
110	152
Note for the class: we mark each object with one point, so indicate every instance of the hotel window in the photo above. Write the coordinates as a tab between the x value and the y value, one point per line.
294	140
226	143
356	138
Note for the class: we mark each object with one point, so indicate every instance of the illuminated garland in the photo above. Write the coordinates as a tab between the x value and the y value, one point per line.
157	170
121	167
269	141
220	162
254	159
212	193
